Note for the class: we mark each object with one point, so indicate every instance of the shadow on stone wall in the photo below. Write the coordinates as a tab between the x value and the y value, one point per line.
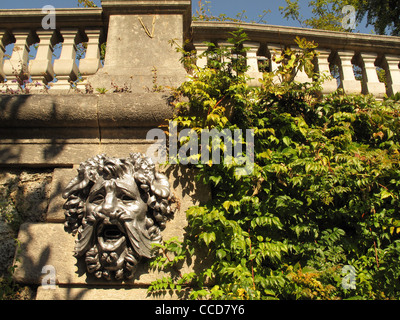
40	129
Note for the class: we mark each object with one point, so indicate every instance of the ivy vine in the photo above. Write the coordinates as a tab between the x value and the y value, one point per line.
324	192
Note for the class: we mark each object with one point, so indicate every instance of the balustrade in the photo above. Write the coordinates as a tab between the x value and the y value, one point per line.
44	73
337	51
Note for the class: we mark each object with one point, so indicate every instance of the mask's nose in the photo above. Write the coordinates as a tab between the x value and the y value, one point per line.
109	205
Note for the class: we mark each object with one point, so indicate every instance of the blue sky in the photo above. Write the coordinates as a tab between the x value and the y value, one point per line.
229	7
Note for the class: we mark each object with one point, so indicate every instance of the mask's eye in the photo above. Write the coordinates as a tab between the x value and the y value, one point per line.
126	198
97	199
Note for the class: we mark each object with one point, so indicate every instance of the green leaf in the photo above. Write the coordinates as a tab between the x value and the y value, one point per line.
221	254
208	237
286	141
226	205
385	194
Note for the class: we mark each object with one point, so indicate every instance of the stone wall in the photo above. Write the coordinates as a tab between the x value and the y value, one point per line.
24	198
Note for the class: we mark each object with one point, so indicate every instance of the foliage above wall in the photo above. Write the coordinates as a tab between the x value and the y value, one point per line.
323	197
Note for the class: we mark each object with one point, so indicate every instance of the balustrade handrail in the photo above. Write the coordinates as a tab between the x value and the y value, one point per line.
219	30
32	18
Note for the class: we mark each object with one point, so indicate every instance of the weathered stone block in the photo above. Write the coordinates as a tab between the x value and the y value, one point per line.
61	178
83	293
61	153
24	196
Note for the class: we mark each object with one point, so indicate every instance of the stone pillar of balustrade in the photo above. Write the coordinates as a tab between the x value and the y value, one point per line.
139	52
252	62
348	81
322	66
370	82
16	68
65	67
91	63
200	48
391	66
41	68
274	49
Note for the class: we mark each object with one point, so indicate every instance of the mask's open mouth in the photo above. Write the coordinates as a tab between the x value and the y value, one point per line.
112	233
111	236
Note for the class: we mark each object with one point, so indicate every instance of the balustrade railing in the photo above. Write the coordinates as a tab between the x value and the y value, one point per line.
338	51
346	51
21	72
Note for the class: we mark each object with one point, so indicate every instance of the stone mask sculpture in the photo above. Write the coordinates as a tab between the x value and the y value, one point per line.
118	207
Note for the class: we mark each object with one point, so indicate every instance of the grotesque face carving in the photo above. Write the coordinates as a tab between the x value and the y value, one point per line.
118	207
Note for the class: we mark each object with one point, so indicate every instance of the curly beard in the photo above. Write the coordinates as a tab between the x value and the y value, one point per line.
95	260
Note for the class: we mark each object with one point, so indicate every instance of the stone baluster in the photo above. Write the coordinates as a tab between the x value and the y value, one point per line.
370	82
301	76
348	81
226	44
201	47
391	66
91	63
274	49
16	68
65	67
252	62
41	68
2	51
322	66
5	39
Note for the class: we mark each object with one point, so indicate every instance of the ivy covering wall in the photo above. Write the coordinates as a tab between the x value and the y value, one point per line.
319	216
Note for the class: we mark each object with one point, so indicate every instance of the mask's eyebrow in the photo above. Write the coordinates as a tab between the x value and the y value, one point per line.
97	187
127	187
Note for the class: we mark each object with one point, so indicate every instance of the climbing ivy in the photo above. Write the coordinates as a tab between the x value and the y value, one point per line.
324	192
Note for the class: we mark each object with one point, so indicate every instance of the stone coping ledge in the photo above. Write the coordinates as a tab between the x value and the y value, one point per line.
148	5
69	17
84	110
216	30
